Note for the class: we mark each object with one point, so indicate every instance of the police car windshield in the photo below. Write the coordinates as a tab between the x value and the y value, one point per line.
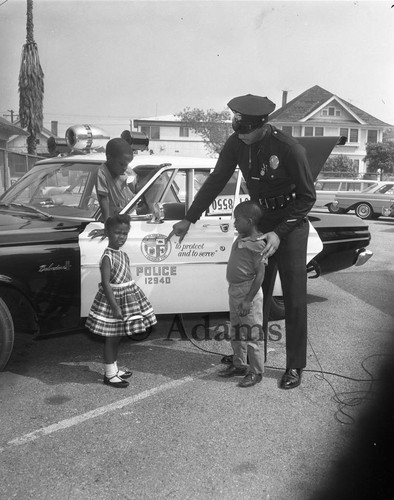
57	189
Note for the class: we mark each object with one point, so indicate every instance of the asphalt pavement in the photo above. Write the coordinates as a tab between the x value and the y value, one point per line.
181	432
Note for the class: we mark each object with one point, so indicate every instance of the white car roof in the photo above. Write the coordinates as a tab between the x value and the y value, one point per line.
139	159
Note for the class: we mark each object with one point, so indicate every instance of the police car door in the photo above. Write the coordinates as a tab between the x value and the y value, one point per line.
189	276
185	277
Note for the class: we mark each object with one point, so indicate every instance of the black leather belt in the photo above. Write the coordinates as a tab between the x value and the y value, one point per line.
277	202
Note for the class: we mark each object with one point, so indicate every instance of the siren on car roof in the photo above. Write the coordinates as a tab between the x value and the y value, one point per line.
88	138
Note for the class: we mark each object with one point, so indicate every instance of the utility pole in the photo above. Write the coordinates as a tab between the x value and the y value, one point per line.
12	115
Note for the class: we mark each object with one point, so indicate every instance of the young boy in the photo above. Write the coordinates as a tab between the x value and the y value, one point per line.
245	274
111	184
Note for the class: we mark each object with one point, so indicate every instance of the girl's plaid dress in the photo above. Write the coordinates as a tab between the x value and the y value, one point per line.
136	310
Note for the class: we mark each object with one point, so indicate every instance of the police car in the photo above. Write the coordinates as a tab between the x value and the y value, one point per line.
51	240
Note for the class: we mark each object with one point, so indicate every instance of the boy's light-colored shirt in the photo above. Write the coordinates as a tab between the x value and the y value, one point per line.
117	190
245	259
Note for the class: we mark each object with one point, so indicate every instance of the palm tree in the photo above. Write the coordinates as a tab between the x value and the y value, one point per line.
31	86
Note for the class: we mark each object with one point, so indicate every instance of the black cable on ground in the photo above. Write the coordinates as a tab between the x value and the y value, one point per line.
344	400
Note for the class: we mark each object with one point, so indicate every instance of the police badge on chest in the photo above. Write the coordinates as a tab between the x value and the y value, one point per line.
274	162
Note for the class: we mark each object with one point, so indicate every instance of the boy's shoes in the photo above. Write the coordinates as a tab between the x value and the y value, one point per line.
291	378
250	379
120	383
232	371
125	374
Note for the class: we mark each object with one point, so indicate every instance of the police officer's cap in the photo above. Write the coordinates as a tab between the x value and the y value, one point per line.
250	112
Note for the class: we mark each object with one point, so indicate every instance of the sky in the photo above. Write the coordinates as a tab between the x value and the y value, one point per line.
108	62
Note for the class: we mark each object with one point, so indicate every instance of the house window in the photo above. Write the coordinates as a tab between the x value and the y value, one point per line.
151	132
287	129
353	137
344	132
146	130
331	111
350	134
184	132
311	131
319	131
155	132
308	131
372	136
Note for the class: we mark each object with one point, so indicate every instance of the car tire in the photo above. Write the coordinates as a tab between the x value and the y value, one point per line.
277	309
335	209
7	334
364	211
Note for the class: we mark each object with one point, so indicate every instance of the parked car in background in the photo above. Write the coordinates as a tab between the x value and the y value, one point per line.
51	242
389	211
326	190
368	204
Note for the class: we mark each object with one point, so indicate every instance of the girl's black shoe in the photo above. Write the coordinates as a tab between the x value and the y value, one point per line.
121	384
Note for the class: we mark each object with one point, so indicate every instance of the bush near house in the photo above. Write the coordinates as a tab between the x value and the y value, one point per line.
380	155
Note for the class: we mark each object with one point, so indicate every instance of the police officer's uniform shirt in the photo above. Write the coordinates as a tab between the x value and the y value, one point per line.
277	165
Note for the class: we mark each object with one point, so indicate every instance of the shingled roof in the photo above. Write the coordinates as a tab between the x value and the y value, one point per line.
9	129
310	100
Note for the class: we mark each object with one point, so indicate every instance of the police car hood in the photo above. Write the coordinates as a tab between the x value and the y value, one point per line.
18	229
318	149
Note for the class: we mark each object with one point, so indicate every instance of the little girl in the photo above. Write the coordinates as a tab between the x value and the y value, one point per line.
120	307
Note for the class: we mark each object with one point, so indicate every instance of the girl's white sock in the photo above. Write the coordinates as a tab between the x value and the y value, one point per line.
118	370
111	370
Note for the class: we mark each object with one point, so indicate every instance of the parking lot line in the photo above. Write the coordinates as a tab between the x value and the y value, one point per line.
102	410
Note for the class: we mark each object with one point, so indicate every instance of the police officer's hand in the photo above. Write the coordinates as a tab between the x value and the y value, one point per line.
180	229
272	245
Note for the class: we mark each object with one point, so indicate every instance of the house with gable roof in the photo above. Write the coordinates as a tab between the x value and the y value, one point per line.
315	112
318	112
18	143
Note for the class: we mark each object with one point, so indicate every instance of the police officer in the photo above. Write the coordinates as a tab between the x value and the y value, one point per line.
277	174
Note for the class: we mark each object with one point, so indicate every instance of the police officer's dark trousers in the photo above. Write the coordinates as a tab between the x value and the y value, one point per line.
290	261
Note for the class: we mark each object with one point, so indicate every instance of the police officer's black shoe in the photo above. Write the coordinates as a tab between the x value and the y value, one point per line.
291	378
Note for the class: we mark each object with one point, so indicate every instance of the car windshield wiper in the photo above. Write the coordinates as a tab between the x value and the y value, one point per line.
32	209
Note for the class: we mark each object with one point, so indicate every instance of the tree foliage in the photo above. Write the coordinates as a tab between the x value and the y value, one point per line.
380	155
214	127
339	163
31	85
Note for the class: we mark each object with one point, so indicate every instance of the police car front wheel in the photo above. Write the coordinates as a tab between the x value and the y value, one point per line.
6	334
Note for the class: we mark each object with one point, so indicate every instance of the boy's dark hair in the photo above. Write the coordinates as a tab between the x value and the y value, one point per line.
250	209
117	147
116	219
